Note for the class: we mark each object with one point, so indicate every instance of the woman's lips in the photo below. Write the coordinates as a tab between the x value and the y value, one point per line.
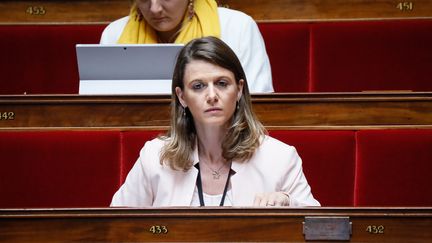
162	19
215	109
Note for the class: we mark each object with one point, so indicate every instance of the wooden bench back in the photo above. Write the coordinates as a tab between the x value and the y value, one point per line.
97	11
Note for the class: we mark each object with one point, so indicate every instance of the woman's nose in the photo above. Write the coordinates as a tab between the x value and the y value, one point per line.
212	95
155	6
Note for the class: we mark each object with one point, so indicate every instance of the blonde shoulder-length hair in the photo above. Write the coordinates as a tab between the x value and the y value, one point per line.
245	132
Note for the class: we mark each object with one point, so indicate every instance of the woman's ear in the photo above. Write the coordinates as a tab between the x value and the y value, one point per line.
240	89
179	93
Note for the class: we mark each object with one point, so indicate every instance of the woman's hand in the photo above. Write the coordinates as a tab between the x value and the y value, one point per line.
271	199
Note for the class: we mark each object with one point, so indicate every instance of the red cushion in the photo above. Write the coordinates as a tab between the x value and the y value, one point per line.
394	168
304	57
371	55
59	169
132	143
41	59
328	163
287	46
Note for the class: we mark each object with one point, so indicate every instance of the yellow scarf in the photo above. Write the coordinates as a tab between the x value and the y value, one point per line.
205	22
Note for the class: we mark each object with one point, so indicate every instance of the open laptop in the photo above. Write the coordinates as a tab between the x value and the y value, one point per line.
126	69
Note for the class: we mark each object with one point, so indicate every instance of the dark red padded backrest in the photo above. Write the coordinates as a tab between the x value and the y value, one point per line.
41	59
394	168
371	55
59	168
132	143
344	168
287	46
328	163
304	57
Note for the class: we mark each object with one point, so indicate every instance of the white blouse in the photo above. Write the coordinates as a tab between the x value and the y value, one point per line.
211	200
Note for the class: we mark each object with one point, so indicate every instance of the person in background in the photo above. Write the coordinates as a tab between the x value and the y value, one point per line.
216	152
179	21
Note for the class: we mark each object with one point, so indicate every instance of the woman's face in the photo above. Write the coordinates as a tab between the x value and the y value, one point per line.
163	15
210	92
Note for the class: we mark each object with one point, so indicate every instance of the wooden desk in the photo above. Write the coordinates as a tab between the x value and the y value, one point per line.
286	10
208	224
98	11
276	111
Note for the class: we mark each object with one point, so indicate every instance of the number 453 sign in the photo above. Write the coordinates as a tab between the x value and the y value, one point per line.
36	10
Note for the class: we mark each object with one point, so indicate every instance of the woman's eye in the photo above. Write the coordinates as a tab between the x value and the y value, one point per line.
222	83
197	86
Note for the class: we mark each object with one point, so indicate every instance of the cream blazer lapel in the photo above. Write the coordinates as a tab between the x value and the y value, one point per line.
184	186
240	190
185	183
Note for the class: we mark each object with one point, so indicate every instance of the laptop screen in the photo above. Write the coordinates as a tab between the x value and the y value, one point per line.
126	69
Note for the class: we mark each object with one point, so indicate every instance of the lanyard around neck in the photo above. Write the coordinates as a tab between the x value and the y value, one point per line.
200	190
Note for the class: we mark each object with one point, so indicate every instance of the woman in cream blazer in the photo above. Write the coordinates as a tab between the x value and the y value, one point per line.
216	152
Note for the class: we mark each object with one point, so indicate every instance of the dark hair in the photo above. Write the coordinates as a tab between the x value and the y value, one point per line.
244	134
209	49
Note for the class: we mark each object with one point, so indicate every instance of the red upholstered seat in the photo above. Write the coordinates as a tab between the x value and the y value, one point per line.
371	55
132	143
41	59
304	56
328	163
59	168
287	46
344	168
394	168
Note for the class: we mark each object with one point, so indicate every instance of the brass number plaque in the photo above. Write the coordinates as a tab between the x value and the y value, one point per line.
36	10
375	229
7	115
158	229
327	228
405	6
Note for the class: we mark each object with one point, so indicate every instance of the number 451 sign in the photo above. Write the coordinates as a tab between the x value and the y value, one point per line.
405	6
